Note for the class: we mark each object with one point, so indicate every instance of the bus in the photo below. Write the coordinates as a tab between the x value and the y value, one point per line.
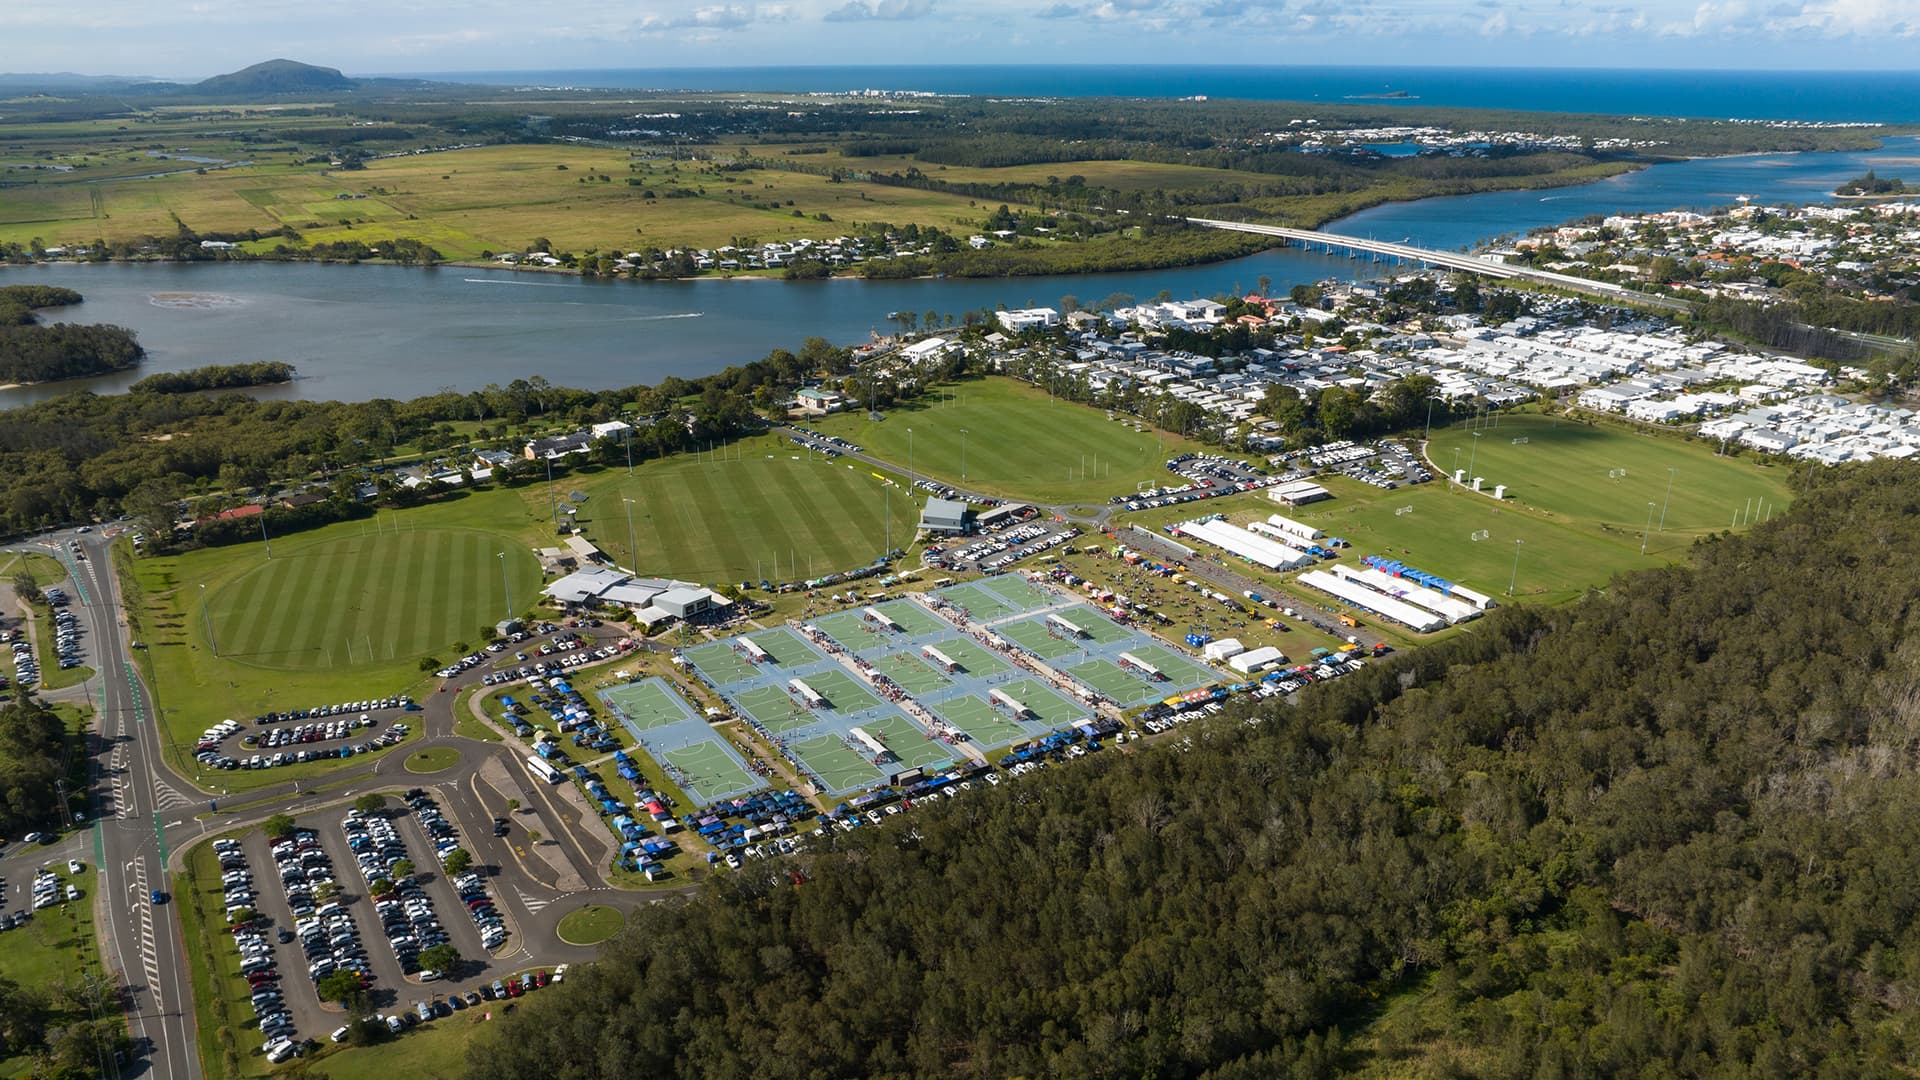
544	771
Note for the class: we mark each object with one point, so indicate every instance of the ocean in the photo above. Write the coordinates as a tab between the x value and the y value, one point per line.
1878	96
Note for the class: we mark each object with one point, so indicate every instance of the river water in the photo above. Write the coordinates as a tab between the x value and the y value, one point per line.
378	331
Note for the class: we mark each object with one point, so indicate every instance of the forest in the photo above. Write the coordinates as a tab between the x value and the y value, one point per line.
1664	830
34	752
215	377
32	353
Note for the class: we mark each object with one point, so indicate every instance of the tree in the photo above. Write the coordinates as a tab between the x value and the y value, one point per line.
341	987
370	803
277	827
513	805
379	886
458	861
441	958
402	868
26	588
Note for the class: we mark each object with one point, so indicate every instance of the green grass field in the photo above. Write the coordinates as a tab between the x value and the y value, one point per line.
775	711
1610	475
348	598
1107	677
839	688
1019	444
56	947
751	511
979	604
196	688
590	925
1020	592
45	569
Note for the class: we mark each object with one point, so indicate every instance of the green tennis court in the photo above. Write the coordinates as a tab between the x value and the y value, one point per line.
910	744
979	604
835	763
841	692
913	618
786	649
985	725
649	705
1098	626
775	711
1048	706
850	630
975	658
1179	670
720	664
1018	591
709	770
911	672
1033	637
1106	677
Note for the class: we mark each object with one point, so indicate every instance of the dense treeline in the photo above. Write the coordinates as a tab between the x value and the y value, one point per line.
18	302
34	353
1663	831
33	755
215	377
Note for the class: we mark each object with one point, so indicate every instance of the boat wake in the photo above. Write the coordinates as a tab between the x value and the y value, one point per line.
534	284
657	318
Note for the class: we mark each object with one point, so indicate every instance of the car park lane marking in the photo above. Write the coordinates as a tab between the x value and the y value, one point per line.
532	904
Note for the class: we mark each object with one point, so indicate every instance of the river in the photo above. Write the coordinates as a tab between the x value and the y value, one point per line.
381	331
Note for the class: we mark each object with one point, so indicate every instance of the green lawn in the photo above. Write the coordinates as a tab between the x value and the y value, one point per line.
220	997
1019	443
55	949
390	607
751	510
432	760
431	1050
352	595
590	925
45	569
1606	474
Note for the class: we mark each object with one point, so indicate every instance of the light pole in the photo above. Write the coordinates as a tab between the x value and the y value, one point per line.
206	618
633	552
1470	456
1429	435
1644	533
1515	576
263	532
963	455
909	456
1668	499
551	497
504	586
629	451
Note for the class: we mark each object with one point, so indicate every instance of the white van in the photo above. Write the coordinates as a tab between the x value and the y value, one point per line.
279	1050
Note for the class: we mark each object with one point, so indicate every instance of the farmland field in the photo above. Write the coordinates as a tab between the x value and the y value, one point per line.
754	511
1019	444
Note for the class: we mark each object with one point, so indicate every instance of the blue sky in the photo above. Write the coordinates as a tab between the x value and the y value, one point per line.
192	38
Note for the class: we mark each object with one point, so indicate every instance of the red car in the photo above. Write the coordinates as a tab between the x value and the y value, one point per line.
540	979
513	987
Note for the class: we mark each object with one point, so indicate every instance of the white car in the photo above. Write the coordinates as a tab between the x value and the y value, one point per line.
74	867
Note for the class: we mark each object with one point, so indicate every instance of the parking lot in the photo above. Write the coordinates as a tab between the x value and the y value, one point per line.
274	739
997	549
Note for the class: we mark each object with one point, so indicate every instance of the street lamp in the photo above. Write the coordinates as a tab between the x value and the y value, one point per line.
1644	533
633	552
504	586
909	455
1475	453
963	455
1430	400
1668	499
263	532
1515	576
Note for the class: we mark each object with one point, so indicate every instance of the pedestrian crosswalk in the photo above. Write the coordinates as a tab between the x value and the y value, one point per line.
533	904
149	955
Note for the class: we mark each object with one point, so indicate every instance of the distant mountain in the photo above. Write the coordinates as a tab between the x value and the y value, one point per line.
67	81
276	77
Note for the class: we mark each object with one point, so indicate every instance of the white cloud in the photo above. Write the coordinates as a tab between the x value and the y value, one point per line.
880	10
